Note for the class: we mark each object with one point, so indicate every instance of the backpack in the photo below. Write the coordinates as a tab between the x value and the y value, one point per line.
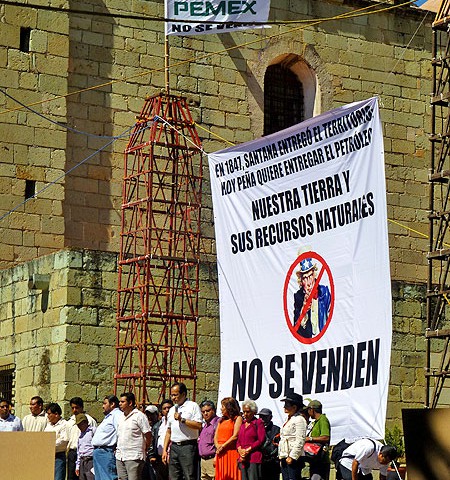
338	450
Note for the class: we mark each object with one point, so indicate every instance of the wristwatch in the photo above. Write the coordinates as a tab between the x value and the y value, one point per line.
182	420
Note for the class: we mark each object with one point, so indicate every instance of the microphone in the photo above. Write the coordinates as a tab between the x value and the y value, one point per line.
176	407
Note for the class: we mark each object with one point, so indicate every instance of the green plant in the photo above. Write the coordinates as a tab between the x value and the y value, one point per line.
394	437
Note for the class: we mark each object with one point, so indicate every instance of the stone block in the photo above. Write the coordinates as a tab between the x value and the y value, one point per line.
73	333
237	121
92	38
97	335
413	395
81	389
107	355
204	72
58	373
73	296
9	79
43	336
21	324
72	372
25	376
67	258
51	64
97	374
53	84
99	261
78	315
76	352
58	44
233	91
18	60
52	22
50	138
58	334
53	225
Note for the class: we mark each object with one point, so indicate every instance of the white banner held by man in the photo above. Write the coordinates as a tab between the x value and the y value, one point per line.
303	259
188	17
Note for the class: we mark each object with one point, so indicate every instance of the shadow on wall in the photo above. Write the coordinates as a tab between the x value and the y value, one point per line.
88	203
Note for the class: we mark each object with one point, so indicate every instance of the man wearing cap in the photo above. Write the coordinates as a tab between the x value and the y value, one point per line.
152	413
311	302
105	440
318	432
85	449
77	406
270	468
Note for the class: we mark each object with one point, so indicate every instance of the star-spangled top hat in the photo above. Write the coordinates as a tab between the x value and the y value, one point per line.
305	266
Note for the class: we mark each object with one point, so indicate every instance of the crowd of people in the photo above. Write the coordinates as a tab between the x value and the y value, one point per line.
181	440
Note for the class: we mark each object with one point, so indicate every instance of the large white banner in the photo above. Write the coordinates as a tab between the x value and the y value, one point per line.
197	12
302	248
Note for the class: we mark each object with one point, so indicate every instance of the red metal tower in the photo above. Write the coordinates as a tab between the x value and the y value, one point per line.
157	304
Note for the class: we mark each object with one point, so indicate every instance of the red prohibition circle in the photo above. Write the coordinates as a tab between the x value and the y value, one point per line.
326	269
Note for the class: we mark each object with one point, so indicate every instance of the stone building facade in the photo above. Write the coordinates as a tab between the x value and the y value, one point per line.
91	71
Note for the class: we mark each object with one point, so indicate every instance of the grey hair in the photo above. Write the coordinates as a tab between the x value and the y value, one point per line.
251	405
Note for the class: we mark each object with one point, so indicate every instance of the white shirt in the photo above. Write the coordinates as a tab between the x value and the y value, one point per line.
11	424
74	431
180	432
292	437
130	436
62	434
35	423
364	453
162	435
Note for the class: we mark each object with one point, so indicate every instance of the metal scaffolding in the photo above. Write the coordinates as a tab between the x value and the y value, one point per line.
438	288
158	288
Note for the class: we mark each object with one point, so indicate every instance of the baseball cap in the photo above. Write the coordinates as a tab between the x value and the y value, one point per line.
81	417
151	409
265	412
314	404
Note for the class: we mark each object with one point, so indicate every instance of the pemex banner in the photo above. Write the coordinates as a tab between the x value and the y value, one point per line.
188	17
302	251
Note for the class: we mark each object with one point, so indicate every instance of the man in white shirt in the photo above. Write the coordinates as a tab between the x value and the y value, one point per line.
363	456
58	425
133	439
77	407
36	421
184	422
